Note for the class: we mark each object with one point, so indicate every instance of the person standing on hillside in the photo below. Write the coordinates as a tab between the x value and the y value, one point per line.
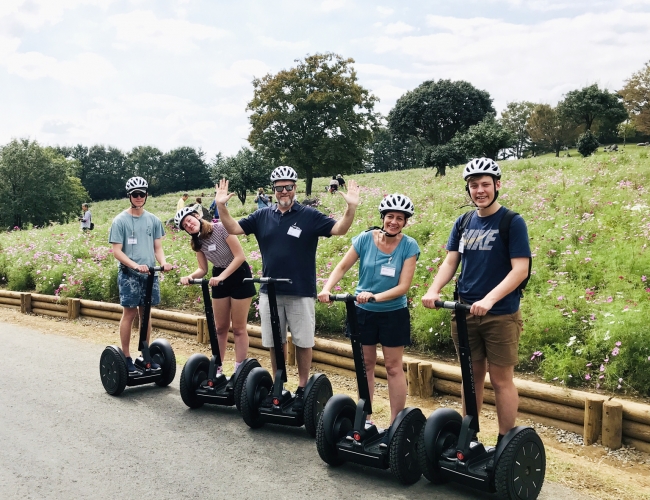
287	234
489	282
181	201
135	235
86	218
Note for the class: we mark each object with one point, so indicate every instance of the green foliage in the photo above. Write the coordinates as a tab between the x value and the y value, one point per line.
591	105
514	118
183	168
587	143
390	152
486	138
550	129
636	98
314	117
35	186
246	171
146	162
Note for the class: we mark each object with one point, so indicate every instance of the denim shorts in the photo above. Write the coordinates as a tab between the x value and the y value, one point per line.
133	287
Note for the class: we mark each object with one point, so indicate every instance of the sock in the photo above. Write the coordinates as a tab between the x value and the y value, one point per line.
499	438
237	365
219	370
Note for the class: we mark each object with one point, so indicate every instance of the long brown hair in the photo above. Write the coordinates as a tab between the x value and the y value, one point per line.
204	232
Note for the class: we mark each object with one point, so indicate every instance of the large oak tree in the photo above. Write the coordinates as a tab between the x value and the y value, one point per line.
636	97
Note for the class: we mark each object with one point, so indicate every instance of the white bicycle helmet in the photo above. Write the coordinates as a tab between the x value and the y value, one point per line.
482	166
284	173
396	203
181	214
135	183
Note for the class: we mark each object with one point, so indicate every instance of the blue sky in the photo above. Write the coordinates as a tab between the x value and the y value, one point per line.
178	72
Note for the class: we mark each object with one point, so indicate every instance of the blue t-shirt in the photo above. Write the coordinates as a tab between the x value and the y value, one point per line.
288	244
485	261
371	262
137	234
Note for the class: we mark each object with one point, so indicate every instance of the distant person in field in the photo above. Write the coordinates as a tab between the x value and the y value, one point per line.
261	199
334	185
135	235
86	217
231	297
198	208
489	282
181	201
341	181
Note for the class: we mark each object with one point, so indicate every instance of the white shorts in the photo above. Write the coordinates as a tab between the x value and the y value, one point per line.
297	313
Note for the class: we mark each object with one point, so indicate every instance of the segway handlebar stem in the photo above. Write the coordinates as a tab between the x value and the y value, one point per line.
268	280
346	297
155	269
450	304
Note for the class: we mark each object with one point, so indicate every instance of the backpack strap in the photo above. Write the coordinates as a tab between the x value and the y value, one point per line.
504	233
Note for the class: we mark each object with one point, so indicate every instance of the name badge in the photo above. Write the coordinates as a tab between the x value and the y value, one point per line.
387	271
294	231
461	246
132	241
212	248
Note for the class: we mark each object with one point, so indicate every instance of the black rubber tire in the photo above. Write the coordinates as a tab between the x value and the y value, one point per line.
319	394
240	384
520	470
194	372
163	354
443	426
403	451
113	371
336	420
258	384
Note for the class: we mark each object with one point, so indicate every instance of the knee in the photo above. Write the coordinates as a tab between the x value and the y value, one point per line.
239	331
394	369
501	382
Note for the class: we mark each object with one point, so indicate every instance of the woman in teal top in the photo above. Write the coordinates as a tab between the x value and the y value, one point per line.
387	259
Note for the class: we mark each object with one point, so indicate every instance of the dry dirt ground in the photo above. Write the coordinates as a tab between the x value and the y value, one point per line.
592	470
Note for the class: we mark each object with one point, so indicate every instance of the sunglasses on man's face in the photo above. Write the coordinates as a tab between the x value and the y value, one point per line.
138	194
289	188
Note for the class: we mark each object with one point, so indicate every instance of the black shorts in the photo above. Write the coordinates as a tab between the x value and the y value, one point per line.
389	328
233	286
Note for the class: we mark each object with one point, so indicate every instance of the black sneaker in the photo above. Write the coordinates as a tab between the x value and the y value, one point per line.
449	454
130	366
299	401
385	439
154	365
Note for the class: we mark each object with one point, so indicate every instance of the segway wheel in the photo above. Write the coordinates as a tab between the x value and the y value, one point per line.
317	398
163	354
439	433
258	385
194	372
334	423
403	452
240	383
113	371
520	470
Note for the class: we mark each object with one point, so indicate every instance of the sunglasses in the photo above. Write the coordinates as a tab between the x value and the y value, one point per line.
138	194
289	188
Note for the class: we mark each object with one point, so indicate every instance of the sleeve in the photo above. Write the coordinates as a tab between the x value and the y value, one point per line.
116	233
359	242
453	243
322	224
519	245
220	230
158	229
86	216
412	249
249	224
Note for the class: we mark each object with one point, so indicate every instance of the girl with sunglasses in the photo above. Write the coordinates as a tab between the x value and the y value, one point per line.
231	298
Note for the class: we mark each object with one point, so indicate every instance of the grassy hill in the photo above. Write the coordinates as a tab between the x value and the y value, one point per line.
585	307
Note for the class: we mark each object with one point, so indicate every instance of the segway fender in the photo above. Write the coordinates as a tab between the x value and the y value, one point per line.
398	420
253	379
439	420
337	404
506	439
240	369
119	350
192	365
311	381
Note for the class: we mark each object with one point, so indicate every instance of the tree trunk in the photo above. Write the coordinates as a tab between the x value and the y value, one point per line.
309	177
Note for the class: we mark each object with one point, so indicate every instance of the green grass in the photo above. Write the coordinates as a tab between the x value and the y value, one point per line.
589	226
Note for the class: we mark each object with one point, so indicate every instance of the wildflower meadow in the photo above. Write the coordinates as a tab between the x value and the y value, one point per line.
584	309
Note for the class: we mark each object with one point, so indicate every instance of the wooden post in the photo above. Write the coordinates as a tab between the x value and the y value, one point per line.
425	374
593	419
612	424
74	308
201	326
25	303
412	376
291	351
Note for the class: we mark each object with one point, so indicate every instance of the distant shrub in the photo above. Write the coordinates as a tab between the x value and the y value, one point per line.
587	143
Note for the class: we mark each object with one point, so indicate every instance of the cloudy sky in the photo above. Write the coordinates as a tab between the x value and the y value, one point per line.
177	72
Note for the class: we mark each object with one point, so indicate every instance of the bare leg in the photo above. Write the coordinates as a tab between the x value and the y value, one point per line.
370	361
239	314
222	313
396	379
480	369
303	358
126	323
505	393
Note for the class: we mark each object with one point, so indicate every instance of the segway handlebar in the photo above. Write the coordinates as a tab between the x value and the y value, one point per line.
268	280
450	304
155	269
346	297
200	281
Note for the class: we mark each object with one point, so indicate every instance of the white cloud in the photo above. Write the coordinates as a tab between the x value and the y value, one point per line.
398	28
268	41
330	5
33	14
174	35
240	73
378	69
384	11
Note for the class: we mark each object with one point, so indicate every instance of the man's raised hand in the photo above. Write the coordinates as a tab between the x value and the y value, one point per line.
222	196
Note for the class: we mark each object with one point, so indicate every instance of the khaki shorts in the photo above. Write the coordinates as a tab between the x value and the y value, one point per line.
495	336
297	313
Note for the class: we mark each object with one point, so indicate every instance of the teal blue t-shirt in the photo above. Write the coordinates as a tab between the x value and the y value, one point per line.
137	234
371	262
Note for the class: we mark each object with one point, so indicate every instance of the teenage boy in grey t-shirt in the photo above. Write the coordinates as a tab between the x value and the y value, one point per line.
136	238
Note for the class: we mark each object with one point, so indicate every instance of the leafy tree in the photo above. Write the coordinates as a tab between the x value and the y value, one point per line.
592	105
626	129
452	153
636	97
314	117
146	161
587	143
246	171
35	186
390	152
550	129
487	138
183	169
105	172
514	119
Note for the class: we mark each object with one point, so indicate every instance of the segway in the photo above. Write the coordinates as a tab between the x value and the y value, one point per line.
265	401
200	382
343	434
112	364
449	449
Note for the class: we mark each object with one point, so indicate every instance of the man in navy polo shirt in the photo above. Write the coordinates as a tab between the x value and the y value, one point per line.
287	234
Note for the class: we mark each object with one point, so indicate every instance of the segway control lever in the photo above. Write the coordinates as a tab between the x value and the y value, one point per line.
450	304
346	297
268	280
155	269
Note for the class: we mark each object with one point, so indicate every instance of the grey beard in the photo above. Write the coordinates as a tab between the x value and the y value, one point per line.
287	204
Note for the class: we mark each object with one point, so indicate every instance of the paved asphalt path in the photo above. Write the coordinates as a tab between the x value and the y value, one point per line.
62	436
